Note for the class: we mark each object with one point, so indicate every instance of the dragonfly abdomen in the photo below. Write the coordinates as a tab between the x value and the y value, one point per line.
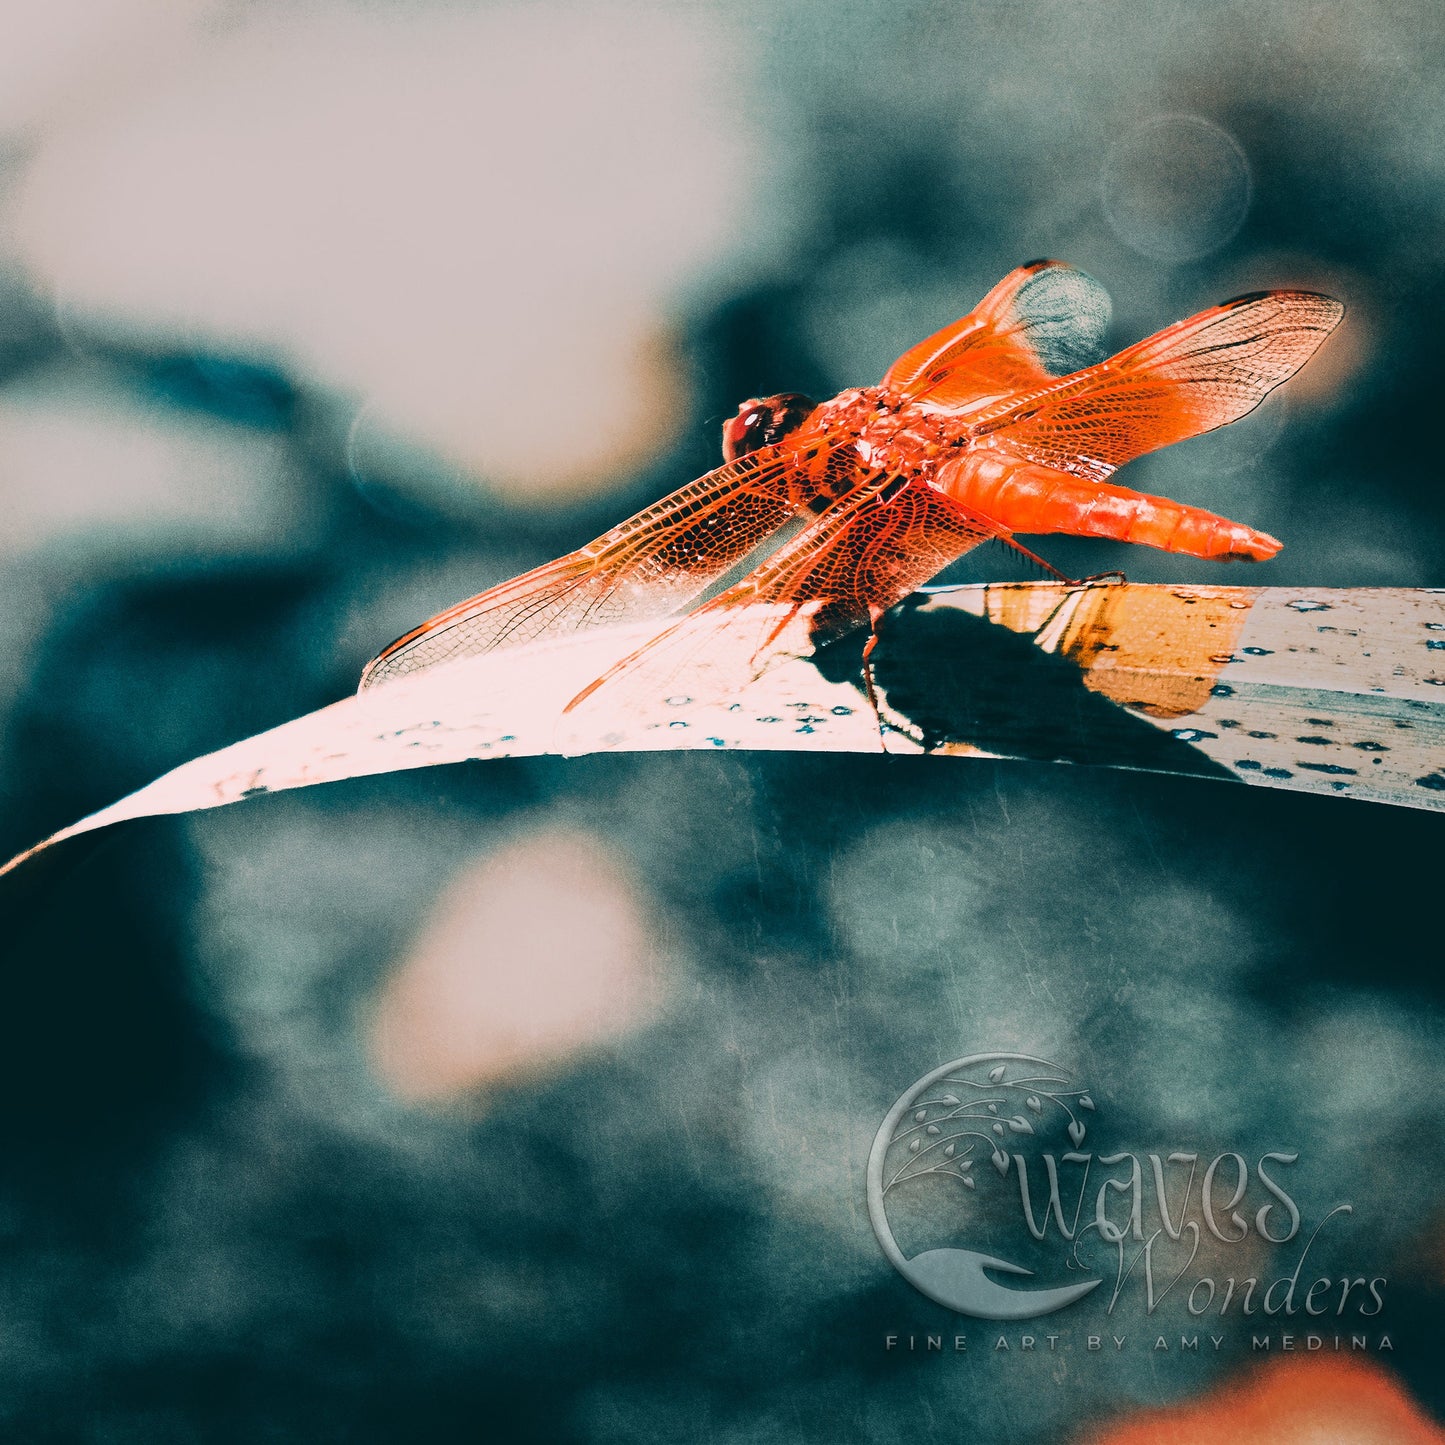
1025	497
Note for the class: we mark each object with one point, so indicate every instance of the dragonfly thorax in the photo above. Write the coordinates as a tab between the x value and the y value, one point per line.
895	435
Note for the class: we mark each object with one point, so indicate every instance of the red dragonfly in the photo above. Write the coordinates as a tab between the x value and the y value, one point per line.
984	430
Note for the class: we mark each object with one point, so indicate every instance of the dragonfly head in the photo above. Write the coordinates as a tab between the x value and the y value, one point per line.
763	421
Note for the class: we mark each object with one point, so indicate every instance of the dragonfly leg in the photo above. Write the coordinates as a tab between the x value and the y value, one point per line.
1062	577
874	616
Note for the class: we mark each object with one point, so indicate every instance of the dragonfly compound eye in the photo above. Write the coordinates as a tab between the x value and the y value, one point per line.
763	421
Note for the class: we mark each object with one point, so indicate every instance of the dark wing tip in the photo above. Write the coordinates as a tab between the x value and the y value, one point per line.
373	673
381	667
1331	306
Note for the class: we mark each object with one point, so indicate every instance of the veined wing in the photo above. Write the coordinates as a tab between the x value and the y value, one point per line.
1040	322
1189	378
648	566
866	554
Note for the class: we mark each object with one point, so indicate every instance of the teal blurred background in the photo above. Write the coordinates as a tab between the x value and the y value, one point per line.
530	1100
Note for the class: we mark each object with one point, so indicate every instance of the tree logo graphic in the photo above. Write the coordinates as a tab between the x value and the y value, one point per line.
966	1113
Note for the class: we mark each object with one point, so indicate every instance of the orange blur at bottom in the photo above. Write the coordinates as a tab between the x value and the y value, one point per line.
1295	1402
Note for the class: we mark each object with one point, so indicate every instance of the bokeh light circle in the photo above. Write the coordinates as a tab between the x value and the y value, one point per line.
1176	188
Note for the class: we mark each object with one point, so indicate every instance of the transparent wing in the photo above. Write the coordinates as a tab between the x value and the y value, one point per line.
865	555
1190	378
1040	322
647	566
